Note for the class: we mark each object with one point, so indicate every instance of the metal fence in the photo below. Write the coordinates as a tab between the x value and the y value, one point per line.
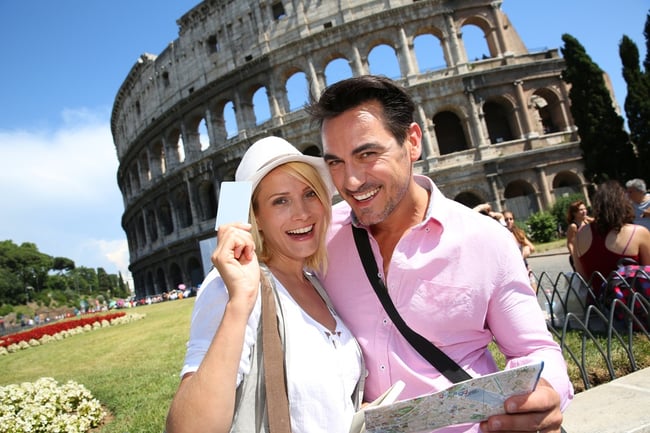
605	321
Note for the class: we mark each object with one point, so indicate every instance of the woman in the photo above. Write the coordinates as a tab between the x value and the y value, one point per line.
525	245
290	213
576	218
599	246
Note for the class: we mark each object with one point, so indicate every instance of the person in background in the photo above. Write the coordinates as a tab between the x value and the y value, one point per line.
612	236
636	191
486	209
290	212
576	217
524	244
453	278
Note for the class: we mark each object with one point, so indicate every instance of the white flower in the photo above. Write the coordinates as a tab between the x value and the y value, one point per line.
47	407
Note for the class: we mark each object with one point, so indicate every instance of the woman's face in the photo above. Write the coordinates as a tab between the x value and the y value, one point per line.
581	213
510	220
289	216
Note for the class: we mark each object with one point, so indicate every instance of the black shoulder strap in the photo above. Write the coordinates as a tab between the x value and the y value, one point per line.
427	349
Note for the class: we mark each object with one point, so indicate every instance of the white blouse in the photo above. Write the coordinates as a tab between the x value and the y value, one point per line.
323	367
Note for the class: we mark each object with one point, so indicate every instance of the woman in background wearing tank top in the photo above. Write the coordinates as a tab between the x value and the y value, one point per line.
599	246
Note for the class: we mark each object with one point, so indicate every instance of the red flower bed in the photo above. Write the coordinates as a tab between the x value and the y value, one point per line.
55	328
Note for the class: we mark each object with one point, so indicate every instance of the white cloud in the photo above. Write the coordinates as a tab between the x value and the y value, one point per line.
59	191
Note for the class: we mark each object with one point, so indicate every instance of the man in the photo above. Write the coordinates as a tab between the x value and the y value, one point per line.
454	276
636	190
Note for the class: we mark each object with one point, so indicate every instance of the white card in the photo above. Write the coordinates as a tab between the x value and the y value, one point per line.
234	203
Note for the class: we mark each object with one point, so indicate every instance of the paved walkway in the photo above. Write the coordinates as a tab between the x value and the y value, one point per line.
619	406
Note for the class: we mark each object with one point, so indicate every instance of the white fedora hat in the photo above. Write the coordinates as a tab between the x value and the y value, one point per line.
271	152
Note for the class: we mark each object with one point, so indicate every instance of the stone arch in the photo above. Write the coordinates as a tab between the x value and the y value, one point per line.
176	144
336	70
143	162
565	183
498	116
469	198
521	199
429	53
382	60
161	282
228	114
261	108
175	276
134	175
548	108
195	271
207	199
158	162
152	226
165	217
450	133
139	232
297	88
193	139
149	285
183	208
478	35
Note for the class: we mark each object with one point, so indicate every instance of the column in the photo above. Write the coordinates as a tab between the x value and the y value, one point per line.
358	65
406	62
499	39
428	149
543	182
475	120
523	108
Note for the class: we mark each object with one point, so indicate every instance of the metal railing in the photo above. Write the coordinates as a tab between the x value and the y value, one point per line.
603	322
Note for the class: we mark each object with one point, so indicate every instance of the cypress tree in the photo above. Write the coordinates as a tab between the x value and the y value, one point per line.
637	104
606	147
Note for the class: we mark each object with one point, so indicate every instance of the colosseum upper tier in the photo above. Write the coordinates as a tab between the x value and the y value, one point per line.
496	127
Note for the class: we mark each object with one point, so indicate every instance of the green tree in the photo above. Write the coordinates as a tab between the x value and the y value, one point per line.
637	103
11	290
30	266
121	289
84	280
62	264
606	147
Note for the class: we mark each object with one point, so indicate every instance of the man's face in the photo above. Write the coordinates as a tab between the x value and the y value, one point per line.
370	169
635	195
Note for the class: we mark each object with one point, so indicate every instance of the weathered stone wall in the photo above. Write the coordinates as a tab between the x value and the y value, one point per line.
496	129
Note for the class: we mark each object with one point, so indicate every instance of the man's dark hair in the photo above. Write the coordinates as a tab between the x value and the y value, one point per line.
397	105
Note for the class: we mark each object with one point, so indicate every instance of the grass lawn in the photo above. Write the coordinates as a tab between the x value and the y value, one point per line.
547	246
132	369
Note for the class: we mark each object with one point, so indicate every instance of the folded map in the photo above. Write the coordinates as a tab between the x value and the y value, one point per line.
471	401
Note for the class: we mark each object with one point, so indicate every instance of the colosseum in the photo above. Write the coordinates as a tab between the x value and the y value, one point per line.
497	127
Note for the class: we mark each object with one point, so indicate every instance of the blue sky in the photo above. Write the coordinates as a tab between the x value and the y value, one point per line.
64	61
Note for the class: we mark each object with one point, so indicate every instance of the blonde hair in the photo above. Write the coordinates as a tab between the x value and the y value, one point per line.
308	174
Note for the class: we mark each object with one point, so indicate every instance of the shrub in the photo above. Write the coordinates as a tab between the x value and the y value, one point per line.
542	227
6	309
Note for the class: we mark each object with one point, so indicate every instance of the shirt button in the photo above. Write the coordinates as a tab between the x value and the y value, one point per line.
385	321
427	229
382	367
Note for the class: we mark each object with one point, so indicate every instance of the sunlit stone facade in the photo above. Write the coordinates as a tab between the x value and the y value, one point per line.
497	127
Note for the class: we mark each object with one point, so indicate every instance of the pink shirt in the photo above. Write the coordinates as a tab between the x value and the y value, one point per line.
457	279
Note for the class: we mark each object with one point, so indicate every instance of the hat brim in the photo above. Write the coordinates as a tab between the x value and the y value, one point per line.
316	162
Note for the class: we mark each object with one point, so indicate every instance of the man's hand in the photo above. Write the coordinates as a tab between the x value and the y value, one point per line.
538	411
